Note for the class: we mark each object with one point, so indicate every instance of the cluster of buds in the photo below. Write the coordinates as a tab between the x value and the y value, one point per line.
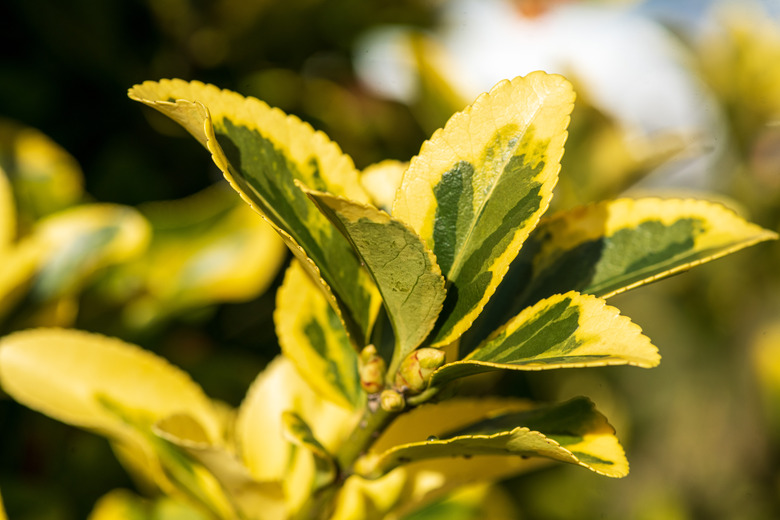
415	372
412	377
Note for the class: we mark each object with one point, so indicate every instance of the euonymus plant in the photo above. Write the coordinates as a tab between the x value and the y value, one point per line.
382	314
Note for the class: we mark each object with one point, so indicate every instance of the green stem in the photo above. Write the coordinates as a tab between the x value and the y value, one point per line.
363	436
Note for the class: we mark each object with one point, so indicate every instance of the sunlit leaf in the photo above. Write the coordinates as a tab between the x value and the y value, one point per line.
7	212
298	432
207	248
253	499
381	181
572	432
62	373
20	263
259	427
361	499
403	268
565	330
183	476
262	152
607	248
314	340
121	504
45	178
472	502
479	186
81	240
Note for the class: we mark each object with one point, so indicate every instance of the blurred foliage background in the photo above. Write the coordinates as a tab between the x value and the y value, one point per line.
672	98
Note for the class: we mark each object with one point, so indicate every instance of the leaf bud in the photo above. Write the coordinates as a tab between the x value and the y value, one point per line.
372	370
415	372
392	401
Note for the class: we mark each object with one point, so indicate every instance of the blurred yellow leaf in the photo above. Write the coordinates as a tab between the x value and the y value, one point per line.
45	178
65	373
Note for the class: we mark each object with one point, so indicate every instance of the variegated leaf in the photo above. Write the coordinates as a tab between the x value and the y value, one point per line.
121	504
184	476
253	499
258	431
61	373
20	263
480	185
381	181
44	176
262	152
564	330
403	268
572	432
313	338
610	247
207	248
298	432
81	240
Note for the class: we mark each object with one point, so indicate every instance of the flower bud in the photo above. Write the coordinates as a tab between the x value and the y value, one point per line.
415	372
392	401
372	370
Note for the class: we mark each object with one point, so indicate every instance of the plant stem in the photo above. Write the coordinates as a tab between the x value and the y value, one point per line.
365	433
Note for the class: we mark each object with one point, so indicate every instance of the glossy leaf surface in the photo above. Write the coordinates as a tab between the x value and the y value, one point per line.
572	432
565	330
314	340
262	152
480	185
608	248
403	268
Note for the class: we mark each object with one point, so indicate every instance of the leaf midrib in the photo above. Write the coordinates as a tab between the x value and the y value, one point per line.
460	257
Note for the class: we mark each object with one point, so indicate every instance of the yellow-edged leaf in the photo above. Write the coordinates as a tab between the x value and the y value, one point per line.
314	340
564	330
207	248
299	433
121	504
480	185
66	374
572	432
262	152
259	427
181	475
81	240
45	178
253	499
610	247
403	268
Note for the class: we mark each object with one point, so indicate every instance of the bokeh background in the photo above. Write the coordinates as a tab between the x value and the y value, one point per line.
674	98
